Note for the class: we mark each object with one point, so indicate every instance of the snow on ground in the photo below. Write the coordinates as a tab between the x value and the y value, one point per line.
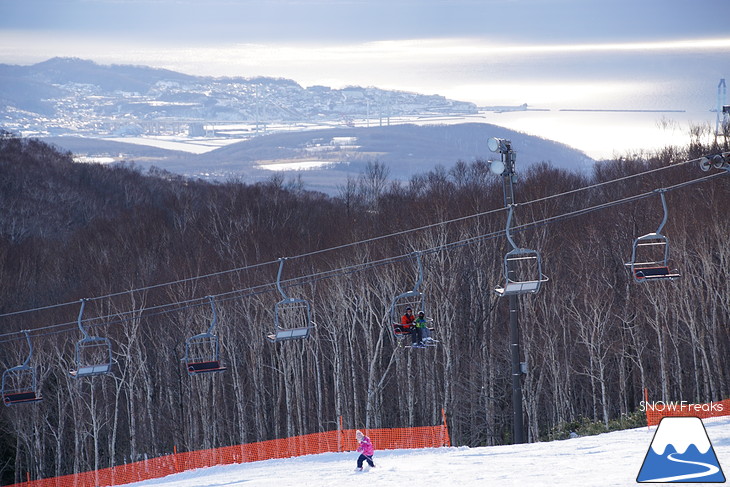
609	459
192	145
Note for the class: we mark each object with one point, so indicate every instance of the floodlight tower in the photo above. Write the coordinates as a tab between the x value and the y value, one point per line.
506	168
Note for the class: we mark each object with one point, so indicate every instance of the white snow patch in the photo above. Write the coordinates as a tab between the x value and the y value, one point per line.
296	166
609	459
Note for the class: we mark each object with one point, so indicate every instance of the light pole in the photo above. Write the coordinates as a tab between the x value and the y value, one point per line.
506	168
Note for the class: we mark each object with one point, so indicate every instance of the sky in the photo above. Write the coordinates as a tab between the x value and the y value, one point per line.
609	459
326	30
554	54
221	21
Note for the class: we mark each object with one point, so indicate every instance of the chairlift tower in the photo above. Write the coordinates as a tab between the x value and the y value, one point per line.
506	168
724	129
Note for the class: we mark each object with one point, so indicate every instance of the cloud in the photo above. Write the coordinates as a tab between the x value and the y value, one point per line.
206	22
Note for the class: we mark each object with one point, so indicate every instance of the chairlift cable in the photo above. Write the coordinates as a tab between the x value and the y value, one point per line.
118	318
145	288
311	278
339	247
259	289
617	180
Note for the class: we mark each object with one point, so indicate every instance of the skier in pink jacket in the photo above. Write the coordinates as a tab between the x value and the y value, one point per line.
366	450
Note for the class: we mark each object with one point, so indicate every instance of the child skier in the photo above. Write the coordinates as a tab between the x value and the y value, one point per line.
366	450
422	325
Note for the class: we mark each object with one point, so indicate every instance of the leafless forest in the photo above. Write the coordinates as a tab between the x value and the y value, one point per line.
146	249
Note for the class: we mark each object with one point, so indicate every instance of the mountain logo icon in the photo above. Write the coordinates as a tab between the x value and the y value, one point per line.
681	452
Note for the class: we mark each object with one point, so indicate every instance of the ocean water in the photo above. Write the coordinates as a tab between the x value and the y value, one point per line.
604	99
605	103
631	96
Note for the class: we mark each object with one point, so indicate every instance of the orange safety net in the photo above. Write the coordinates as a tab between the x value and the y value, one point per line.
657	410
329	441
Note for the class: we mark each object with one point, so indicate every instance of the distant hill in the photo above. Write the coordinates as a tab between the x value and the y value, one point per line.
50	79
407	150
71	96
79	105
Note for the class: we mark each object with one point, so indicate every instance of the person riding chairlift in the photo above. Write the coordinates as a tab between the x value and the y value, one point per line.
421	332
406	322
422	326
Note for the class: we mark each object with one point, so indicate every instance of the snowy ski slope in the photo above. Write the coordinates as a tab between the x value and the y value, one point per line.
609	459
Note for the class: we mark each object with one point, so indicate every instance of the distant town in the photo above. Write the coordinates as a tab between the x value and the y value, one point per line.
65	96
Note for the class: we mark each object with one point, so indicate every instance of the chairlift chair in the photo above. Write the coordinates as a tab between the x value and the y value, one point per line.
19	383
202	351
410	299
292	316
93	355
413	299
522	268
650	254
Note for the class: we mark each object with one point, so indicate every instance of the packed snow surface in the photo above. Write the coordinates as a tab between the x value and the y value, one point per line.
609	459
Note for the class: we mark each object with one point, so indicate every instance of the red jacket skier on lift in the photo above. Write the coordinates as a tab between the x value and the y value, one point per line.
406	322
408	318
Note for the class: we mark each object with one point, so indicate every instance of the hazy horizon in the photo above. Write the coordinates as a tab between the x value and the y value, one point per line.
329	37
553	54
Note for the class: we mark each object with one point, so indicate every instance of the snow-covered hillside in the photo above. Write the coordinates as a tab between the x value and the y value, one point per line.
610	459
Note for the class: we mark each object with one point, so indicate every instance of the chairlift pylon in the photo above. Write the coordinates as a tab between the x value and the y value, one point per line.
650	253
292	316
93	355
202	351
522	267
19	383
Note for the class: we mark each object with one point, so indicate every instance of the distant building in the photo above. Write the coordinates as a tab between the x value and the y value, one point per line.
196	130
343	141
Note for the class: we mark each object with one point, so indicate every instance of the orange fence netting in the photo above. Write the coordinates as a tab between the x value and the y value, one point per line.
657	410
329	441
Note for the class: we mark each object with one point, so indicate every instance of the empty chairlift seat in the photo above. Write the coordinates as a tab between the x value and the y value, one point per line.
650	254
93	355
19	383
202	351
292	316
202	354
654	273
523	273
650	259
522	268
292	320
512	287
281	335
